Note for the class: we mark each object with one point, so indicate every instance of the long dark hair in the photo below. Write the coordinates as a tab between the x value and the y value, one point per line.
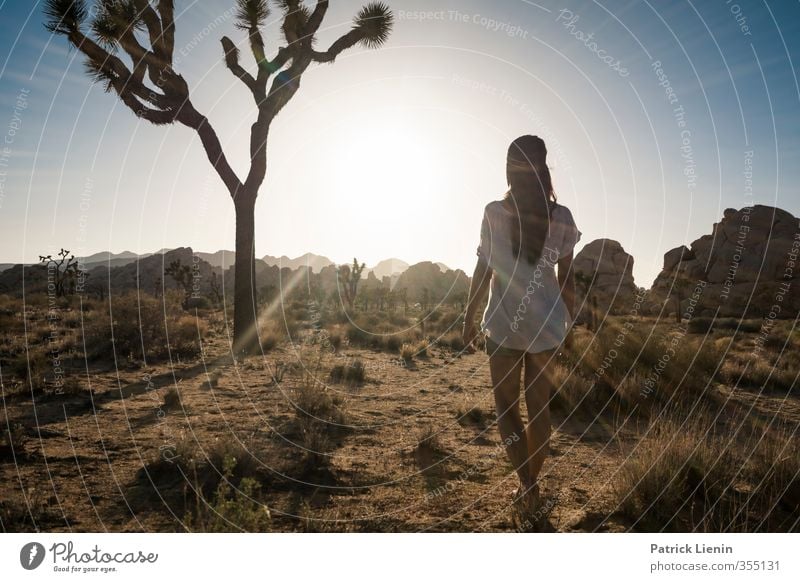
531	196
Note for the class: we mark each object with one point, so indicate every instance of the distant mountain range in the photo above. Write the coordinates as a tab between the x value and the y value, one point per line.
224	259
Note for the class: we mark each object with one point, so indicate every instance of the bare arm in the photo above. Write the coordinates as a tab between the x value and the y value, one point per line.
481	277
566	281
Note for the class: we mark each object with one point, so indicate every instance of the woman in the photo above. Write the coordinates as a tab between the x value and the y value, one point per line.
530	311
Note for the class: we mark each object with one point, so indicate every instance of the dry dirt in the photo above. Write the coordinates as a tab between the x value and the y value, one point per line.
84	463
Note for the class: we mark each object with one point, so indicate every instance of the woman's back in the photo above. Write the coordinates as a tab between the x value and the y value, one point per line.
525	309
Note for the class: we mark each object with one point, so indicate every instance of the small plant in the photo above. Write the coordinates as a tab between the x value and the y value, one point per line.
12	442
321	420
26	513
429	444
172	399
353	373
474	415
278	372
407	353
230	508
315	404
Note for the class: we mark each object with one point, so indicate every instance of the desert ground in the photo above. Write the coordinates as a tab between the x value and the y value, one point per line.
333	428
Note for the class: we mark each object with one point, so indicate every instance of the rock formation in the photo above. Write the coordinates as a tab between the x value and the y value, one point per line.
748	264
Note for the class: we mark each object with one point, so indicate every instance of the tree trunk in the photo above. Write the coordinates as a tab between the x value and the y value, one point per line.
245	305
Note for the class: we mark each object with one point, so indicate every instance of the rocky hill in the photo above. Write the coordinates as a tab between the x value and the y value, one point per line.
388	268
315	262
746	265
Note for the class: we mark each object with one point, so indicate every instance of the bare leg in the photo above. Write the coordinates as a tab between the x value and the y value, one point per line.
538	388
506	373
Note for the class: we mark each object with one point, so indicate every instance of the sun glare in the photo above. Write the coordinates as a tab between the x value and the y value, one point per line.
388	170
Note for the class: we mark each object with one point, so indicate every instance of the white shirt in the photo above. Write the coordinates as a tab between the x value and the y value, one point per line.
525	310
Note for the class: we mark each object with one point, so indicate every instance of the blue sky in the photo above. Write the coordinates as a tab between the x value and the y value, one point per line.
394	152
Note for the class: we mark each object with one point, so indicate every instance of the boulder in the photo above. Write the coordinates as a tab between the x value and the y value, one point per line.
675	256
610	269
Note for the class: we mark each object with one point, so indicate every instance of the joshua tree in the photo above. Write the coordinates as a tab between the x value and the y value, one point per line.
215	286
150	87
402	297
348	281
62	270
184	279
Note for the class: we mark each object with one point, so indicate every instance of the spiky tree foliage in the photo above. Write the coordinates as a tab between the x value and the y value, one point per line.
141	74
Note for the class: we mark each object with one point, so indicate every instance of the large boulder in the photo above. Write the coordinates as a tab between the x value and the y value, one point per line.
604	273
745	266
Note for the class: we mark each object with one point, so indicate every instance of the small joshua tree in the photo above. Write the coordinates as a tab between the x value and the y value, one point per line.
349	278
184	279
63	270
141	74
215	286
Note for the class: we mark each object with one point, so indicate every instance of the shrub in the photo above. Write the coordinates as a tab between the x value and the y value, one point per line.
352	373
393	343
141	327
474	415
774	467
172	399
314	404
12	442
407	353
357	336
676	477
429	448
230	508
321	420
700	325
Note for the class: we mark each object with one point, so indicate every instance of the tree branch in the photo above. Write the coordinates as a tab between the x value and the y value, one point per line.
190	117
232	61
315	20
343	43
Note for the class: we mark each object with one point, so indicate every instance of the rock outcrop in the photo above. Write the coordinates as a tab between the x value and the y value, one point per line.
604	273
746	266
425	283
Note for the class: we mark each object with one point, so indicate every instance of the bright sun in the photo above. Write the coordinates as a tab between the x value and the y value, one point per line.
388	170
